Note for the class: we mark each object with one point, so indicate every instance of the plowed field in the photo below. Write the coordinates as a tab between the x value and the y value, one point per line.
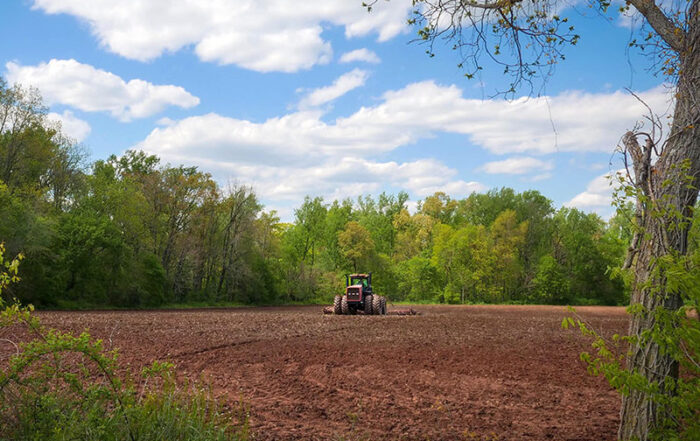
451	373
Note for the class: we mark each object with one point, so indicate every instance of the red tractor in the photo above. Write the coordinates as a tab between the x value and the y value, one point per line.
359	297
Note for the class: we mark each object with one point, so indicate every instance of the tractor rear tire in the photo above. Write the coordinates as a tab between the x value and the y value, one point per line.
376	305
336	305
383	303
368	304
344	307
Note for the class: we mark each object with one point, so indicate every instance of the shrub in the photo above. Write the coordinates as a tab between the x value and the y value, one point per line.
64	387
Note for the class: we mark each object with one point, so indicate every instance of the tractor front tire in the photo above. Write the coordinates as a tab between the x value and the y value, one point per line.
344	307
376	305
383	303
336	305
368	304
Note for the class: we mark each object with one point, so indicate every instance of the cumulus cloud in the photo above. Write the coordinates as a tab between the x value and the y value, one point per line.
262	35
363	54
89	89
539	177
299	152
517	166
165	121
458	188
306	162
338	178
342	85
585	122
71	125
598	193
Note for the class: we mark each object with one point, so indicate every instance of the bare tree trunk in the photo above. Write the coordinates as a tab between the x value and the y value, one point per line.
659	236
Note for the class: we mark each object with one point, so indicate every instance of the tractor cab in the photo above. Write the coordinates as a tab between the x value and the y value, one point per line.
357	286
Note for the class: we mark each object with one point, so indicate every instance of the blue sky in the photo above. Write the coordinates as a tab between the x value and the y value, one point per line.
321	98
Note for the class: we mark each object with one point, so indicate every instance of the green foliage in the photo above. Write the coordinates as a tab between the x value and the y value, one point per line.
418	280
356	244
9	270
463	261
130	231
581	248
676	332
550	284
64	387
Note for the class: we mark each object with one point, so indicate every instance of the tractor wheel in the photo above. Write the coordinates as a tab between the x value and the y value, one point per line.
368	304
376	305
336	305
383	303
344	307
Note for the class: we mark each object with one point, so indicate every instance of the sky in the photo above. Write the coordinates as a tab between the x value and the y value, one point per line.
322	98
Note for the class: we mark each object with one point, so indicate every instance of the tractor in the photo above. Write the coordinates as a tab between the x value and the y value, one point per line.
359	297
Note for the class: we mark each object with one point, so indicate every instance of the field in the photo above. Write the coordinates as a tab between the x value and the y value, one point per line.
451	373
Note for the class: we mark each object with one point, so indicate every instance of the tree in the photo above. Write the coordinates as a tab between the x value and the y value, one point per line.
338	216
378	217
417	280
465	260
551	283
356	244
22	134
507	238
440	207
580	246
239	211
527	39
310	218
414	234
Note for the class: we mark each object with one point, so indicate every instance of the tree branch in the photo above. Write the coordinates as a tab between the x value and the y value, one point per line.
671	34
495	5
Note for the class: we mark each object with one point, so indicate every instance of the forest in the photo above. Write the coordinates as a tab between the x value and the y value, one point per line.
130	231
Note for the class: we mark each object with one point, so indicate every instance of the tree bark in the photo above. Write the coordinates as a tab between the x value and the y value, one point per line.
639	414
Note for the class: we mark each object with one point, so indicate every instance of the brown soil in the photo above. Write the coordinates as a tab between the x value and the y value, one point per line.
450	373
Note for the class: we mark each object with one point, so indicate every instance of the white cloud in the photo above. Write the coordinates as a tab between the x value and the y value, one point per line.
262	35
539	177
363	54
89	89
342	85
335	179
629	20
286	158
458	189
71	125
165	121
590	200
517	166
291	155
585	122
598	193
412	206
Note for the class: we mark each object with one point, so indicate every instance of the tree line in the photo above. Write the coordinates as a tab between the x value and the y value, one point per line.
130	231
